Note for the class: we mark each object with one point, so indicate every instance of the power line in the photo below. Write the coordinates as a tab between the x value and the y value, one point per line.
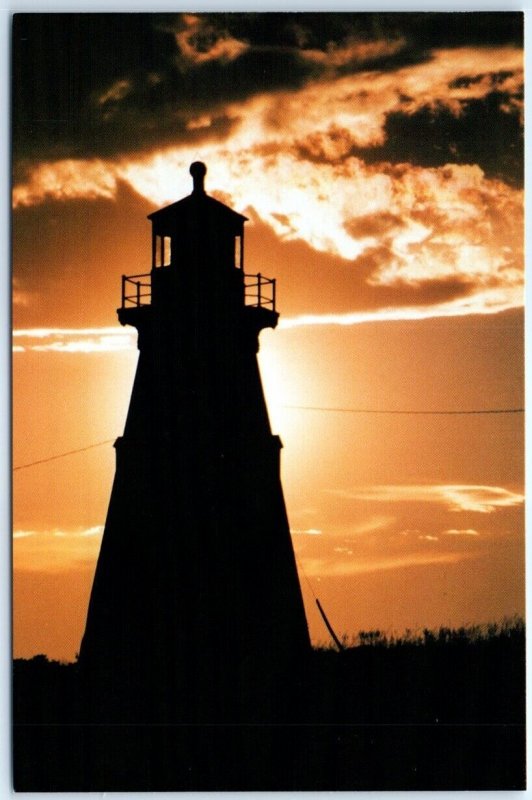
390	411
62	455
300	567
309	408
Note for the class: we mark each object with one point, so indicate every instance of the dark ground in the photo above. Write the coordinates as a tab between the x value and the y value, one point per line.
445	710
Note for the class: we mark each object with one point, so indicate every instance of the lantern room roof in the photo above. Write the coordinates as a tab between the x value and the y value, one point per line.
197	205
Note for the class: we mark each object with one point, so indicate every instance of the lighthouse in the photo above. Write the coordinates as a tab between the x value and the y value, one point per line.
196	610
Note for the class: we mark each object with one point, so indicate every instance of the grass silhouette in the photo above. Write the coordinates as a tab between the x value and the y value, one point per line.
434	709
473	674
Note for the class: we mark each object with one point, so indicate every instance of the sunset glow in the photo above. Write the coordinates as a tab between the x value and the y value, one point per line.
379	161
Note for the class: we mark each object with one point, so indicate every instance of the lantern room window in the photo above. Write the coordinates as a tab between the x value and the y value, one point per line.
162	251
239	253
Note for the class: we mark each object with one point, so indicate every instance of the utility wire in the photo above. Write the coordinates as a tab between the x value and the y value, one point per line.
389	411
311	408
300	567
62	455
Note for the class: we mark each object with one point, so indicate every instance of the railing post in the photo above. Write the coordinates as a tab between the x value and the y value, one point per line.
123	291
138	294
259	290
273	294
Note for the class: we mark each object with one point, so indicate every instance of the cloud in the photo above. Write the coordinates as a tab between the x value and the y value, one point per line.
486	304
200	40
66	180
353	531
463	532
372	524
429	223
458	246
96	530
336	567
481	499
354	52
307	531
325	119
114	93
73	340
56	549
435	134
142	77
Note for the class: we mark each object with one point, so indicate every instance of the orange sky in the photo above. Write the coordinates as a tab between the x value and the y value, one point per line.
399	288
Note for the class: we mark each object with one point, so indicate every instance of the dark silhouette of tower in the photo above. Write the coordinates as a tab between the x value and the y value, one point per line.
196	608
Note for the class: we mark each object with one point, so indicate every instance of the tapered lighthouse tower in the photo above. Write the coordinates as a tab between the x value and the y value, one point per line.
196	607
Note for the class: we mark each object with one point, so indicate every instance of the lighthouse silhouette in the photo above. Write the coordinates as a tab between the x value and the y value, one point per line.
196	610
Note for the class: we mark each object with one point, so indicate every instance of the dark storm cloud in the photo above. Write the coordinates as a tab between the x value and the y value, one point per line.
92	84
104	84
423	31
487	132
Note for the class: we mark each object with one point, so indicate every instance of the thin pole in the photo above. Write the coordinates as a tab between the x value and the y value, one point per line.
328	625
337	641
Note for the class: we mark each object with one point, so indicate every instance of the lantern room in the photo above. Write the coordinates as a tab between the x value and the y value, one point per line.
197	228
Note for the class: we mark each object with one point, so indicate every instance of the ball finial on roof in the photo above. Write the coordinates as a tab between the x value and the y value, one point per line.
198	171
